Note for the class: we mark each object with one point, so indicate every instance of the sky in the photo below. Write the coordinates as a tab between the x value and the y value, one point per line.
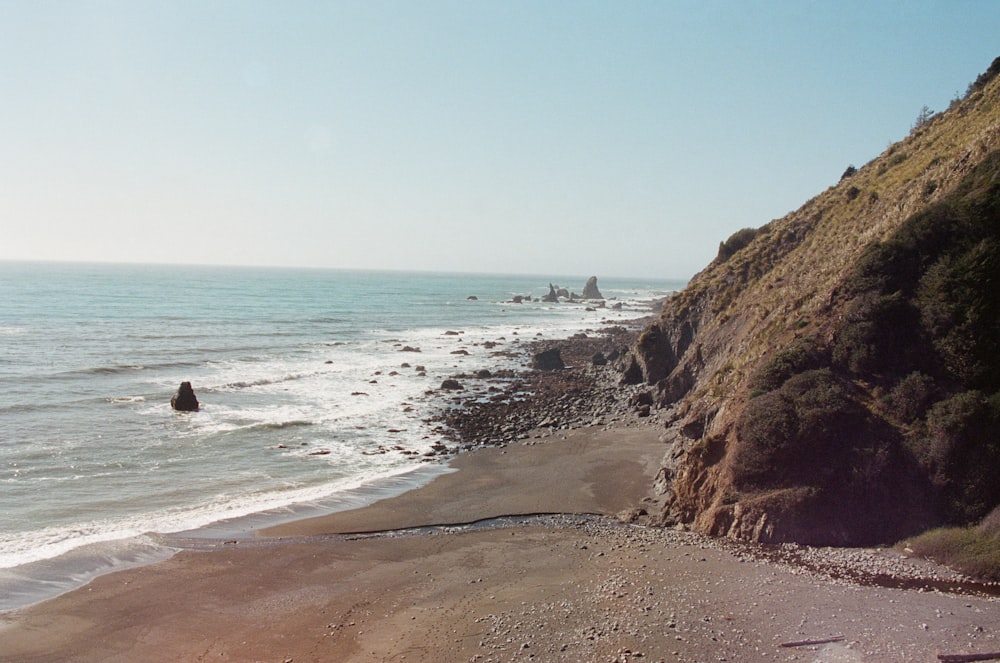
610	138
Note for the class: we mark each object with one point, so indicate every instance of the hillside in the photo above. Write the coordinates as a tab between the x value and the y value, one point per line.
833	377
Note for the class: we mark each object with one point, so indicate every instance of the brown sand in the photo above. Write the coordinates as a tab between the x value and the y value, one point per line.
543	592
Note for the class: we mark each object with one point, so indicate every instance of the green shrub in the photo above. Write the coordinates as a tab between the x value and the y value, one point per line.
964	455
805	433
802	355
960	310
876	336
911	397
984	78
766	428
736	241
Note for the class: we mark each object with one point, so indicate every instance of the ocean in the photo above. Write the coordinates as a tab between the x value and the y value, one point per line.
303	377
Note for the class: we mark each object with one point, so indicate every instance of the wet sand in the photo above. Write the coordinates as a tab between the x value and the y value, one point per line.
555	589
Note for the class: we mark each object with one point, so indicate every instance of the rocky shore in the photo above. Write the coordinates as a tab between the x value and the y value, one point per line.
538	404
509	405
531	550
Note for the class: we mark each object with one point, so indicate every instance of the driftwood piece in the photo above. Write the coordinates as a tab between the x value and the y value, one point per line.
806	643
967	658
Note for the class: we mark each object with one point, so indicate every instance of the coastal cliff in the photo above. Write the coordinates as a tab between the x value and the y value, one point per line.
833	377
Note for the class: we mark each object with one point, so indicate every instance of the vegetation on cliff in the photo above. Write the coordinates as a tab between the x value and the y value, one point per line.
835	374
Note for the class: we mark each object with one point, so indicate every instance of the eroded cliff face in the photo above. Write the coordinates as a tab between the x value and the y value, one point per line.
815	401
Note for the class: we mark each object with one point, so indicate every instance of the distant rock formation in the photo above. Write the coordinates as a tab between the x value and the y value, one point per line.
553	296
184	400
590	290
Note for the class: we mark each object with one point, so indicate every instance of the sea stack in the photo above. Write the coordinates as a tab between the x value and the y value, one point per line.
184	400
590	290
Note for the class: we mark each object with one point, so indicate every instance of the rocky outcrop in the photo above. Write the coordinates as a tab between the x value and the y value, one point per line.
184	400
828	374
548	360
553	296
590	290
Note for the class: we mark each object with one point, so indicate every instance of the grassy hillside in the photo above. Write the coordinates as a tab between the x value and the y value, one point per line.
834	374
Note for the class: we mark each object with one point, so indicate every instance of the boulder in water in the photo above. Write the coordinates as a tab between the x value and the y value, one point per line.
548	360
184	400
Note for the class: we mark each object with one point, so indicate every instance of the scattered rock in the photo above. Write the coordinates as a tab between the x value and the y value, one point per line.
407	348
599	359
452	385
642	398
184	400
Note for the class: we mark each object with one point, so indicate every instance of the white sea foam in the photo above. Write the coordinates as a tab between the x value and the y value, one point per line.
286	365
49	542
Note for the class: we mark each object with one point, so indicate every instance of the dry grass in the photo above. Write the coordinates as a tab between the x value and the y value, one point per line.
974	551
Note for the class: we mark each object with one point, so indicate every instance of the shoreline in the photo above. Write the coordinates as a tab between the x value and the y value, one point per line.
549	589
48	578
450	570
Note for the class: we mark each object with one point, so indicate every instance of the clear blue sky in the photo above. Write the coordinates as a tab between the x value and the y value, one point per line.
544	137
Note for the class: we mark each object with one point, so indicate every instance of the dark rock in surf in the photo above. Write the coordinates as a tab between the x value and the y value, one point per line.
552	296
184	400
548	360
451	385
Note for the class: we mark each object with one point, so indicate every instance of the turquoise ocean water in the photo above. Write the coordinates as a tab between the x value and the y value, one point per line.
300	376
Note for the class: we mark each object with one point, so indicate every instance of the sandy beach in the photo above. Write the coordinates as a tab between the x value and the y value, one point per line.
548	588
